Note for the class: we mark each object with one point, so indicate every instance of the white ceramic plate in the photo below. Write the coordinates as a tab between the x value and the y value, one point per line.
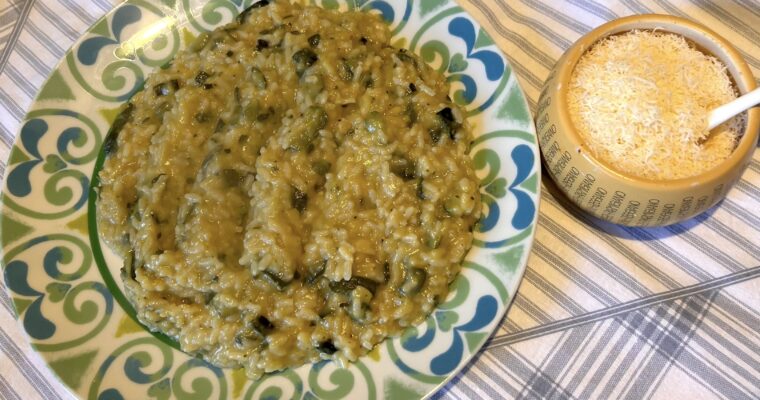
62	281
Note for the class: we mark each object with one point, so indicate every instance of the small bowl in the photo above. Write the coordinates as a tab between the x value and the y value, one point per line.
606	193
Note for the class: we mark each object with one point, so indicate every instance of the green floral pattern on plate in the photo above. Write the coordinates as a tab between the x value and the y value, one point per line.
62	281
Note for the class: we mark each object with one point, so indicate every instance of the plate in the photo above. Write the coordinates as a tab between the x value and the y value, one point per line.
62	279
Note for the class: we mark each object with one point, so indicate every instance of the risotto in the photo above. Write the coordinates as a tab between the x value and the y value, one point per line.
291	188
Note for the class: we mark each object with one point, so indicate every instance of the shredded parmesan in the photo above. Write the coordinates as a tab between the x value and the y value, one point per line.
640	102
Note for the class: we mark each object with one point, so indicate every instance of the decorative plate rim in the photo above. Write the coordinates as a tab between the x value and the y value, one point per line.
9	247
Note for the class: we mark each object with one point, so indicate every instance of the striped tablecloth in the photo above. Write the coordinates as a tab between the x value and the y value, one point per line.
603	311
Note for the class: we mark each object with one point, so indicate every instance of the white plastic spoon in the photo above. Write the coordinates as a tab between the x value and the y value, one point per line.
728	110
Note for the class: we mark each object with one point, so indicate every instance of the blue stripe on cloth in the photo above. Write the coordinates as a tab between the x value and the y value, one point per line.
55	20
729	233
654	324
596	9
530	308
32	58
751	343
644	302
5	300
602	346
748	188
739	314
519	368
683	230
728	356
696	368
497	375
523	43
560	18
748	6
16	112
611	239
577	277
568	348
754	164
595	257
480	381
577	265
648	237
23	15
735	210
637	7
26	368
6	390
731	21
85	17
709	369
45	40
6	138
20	81
591	342
670	9
105	5
686	264
552	292
510	326
671	341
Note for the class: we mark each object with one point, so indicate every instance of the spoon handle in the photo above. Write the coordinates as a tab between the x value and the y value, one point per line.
728	110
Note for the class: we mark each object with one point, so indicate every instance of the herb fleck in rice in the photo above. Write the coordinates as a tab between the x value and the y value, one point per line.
290	189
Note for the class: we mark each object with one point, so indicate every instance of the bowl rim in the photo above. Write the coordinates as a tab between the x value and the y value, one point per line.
743	79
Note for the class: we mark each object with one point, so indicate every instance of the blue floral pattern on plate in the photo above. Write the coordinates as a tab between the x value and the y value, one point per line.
62	281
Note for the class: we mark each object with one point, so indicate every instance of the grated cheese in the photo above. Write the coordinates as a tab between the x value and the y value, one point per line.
640	102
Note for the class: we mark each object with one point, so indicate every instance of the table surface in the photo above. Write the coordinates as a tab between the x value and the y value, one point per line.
602	312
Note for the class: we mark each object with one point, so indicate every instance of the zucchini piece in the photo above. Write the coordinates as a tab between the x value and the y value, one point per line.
256	331
321	167
299	200
344	71
447	119
199	43
128	267
166	88
403	167
415	279
432	239
453	206
314	119
110	143
316	273
275	280
262	324
374	122
231	177
420	190
345	287
327	347
202	117
244	14
314	40
222	310
258	78
360	299
201	78
303	59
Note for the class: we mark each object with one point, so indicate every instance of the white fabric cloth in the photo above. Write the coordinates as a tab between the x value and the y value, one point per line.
603	311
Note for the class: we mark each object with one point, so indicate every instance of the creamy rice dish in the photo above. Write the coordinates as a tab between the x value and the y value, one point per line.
291	188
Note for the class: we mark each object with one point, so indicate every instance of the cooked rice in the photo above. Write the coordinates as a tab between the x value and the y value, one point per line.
290	189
